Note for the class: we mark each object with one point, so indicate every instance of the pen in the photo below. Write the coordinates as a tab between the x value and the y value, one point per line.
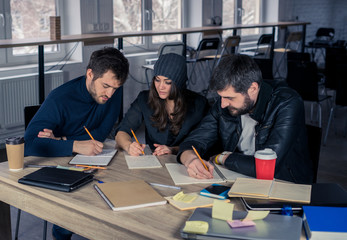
90	135
137	140
162	185
197	154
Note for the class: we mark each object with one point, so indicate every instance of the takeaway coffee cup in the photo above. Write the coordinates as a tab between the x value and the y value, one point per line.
265	161
15	153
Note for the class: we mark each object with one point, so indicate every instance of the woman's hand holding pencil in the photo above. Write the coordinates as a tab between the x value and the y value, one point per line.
136	148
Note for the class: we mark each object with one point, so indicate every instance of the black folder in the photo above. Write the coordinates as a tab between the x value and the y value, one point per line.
57	179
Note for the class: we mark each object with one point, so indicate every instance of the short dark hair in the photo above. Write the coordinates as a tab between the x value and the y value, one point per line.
106	59
238	71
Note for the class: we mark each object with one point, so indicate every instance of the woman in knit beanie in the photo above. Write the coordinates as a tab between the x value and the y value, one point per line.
168	110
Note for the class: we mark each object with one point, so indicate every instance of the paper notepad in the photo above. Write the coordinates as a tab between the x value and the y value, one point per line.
200	202
102	159
271	189
143	161
179	175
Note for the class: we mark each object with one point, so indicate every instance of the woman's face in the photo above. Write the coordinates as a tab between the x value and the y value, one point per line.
163	86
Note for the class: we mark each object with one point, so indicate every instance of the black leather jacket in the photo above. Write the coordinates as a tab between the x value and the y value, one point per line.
280	114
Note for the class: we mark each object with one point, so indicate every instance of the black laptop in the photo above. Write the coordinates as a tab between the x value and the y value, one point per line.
57	179
322	194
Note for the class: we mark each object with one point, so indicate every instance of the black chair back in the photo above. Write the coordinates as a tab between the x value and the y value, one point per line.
329	33
303	77
314	137
333	57
29	113
266	67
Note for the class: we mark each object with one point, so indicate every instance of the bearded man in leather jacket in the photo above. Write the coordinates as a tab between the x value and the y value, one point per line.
250	115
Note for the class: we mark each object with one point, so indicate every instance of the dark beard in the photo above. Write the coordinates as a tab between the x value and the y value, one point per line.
246	108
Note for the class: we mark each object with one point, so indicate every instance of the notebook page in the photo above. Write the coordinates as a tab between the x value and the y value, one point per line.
179	175
101	159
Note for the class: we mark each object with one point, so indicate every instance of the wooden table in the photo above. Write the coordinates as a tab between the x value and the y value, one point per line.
85	213
109	38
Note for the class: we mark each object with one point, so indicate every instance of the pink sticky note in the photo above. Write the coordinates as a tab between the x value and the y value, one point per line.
239	223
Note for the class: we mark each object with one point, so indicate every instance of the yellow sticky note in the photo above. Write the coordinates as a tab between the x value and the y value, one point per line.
181	197
256	215
222	210
198	227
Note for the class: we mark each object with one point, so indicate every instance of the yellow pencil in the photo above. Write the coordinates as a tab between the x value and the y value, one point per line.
89	166
137	140
202	161
90	135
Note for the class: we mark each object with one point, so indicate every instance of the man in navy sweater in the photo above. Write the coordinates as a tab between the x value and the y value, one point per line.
93	100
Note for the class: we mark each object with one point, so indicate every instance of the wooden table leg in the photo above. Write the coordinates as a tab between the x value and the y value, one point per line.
5	221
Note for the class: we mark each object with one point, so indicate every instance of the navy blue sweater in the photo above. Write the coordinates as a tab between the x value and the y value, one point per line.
65	111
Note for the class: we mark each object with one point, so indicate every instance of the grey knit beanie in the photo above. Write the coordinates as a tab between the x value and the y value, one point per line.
172	66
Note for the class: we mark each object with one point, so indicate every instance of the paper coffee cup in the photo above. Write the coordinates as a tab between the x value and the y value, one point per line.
265	162
15	153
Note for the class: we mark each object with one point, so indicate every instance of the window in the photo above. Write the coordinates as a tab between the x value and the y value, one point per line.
242	12
28	19
138	15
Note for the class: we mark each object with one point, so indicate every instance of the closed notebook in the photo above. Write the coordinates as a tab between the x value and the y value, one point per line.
57	179
129	195
325	222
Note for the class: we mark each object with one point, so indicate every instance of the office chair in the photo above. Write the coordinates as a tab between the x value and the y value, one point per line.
266	67
303	77
341	95
165	48
293	43
324	38
263	47
314	137
334	57
29	113
230	46
205	47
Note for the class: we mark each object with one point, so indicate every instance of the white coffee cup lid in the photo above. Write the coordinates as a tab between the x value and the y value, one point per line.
265	154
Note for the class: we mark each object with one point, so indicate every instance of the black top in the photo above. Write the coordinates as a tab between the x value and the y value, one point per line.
140	112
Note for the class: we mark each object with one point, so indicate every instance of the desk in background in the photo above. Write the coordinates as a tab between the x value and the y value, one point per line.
108	38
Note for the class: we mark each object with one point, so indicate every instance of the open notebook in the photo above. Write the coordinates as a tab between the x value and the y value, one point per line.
144	161
102	159
179	175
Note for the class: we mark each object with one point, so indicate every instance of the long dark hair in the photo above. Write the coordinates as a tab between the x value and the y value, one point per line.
160	116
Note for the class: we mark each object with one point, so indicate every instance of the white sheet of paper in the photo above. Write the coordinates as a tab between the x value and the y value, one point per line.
143	161
102	159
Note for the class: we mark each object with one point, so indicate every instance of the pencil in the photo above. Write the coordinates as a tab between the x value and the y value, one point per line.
137	140
202	161
90	135
89	166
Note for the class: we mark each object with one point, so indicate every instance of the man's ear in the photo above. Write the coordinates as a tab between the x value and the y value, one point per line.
89	75
253	90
